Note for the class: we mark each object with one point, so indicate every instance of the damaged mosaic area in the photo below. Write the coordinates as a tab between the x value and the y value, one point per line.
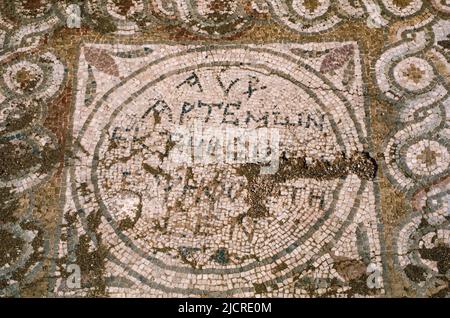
96	203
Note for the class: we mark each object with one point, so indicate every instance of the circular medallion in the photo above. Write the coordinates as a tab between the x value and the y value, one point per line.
219	217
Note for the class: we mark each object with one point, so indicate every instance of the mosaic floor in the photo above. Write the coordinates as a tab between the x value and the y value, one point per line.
224	148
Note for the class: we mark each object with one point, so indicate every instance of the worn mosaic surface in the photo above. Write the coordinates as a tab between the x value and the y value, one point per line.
93	204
